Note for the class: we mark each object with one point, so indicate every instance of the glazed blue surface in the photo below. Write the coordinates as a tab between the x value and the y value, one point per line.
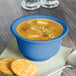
38	50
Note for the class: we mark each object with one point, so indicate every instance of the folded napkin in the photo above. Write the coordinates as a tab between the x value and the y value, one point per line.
45	66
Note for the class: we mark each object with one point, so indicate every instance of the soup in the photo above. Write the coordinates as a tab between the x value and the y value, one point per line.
39	29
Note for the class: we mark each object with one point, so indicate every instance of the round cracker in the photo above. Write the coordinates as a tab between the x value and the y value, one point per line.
23	67
5	65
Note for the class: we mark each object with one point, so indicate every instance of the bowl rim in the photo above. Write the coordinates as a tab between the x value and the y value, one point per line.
39	16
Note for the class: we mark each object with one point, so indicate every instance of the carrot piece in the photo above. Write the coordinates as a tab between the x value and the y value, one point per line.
43	38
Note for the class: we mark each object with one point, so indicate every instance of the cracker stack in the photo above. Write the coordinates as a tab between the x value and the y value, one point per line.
19	67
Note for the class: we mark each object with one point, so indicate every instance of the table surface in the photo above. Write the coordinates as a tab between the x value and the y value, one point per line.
11	9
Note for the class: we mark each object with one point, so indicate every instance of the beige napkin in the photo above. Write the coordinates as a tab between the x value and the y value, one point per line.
56	61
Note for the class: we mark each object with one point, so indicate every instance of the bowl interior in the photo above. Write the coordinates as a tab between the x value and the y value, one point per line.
24	18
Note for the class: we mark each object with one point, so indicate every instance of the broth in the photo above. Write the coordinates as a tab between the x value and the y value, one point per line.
39	29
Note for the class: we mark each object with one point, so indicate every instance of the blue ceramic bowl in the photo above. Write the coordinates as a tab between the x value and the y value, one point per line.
38	50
